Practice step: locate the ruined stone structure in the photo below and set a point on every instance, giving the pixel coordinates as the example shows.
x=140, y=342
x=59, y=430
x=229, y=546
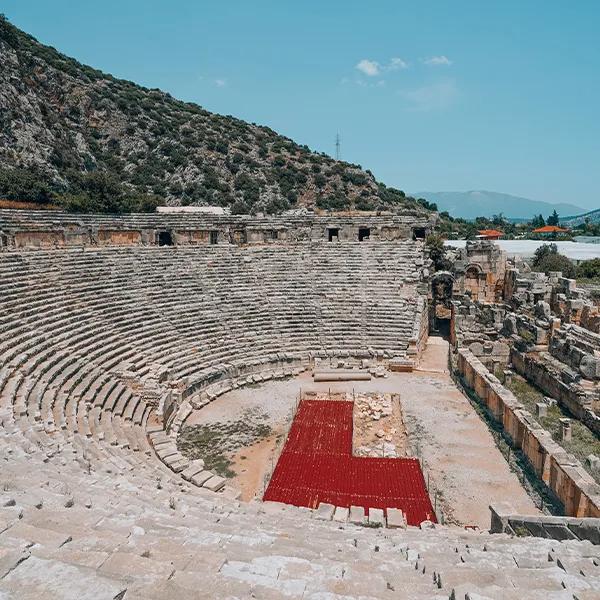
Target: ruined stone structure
x=480, y=269
x=532, y=325
x=107, y=340
x=54, y=229
x=563, y=474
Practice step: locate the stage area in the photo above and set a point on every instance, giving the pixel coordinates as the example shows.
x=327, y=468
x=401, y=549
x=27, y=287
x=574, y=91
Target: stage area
x=317, y=466
x=458, y=454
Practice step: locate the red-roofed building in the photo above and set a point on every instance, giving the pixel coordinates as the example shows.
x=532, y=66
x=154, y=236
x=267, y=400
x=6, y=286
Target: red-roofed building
x=550, y=229
x=489, y=234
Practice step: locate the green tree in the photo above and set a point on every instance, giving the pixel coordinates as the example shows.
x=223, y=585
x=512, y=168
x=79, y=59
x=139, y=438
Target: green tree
x=537, y=221
x=589, y=269
x=553, y=219
x=437, y=252
x=547, y=258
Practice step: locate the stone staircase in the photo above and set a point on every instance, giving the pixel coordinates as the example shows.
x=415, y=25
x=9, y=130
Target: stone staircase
x=118, y=533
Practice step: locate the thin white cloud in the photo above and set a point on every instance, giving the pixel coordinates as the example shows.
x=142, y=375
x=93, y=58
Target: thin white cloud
x=397, y=63
x=220, y=82
x=438, y=61
x=370, y=68
x=436, y=96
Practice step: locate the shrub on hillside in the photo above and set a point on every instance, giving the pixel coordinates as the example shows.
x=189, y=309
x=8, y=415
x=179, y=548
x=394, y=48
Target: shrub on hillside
x=25, y=184
x=589, y=269
x=435, y=244
x=547, y=258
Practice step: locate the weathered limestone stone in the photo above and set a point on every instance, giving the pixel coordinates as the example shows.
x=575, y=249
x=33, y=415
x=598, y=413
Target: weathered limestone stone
x=590, y=366
x=593, y=462
x=201, y=477
x=565, y=430
x=215, y=483
x=376, y=517
x=325, y=511
x=541, y=409
x=357, y=515
x=195, y=467
x=395, y=518
x=542, y=310
x=341, y=514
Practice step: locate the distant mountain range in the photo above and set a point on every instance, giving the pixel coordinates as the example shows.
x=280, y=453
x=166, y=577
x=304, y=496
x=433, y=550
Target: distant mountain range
x=479, y=203
x=593, y=216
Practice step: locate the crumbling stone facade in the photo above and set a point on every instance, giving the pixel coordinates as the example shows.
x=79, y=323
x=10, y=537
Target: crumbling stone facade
x=532, y=324
x=480, y=269
x=55, y=229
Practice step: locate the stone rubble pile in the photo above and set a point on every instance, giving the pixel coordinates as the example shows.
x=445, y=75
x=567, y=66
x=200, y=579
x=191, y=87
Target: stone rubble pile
x=373, y=411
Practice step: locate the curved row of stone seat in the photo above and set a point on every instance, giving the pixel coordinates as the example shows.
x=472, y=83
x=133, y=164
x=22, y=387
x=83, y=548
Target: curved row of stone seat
x=69, y=319
x=220, y=330
x=73, y=534
x=88, y=511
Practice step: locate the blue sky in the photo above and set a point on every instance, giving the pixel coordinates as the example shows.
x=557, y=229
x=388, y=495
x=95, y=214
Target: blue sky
x=430, y=95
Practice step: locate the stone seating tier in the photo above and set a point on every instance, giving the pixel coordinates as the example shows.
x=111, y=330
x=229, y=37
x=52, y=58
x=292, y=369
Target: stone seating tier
x=71, y=319
x=95, y=501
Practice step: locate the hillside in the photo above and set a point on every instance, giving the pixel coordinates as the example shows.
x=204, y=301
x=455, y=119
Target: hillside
x=592, y=216
x=469, y=205
x=72, y=135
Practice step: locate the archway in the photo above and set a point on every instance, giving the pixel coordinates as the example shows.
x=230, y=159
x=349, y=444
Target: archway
x=440, y=313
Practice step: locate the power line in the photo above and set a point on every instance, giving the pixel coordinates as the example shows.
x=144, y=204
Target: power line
x=338, y=154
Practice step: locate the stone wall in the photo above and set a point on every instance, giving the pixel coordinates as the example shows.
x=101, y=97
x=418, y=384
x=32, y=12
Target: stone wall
x=523, y=290
x=420, y=334
x=578, y=348
x=561, y=472
x=504, y=520
x=50, y=229
x=479, y=271
x=561, y=383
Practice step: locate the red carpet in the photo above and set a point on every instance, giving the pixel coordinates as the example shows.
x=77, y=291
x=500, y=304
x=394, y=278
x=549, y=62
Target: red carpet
x=317, y=465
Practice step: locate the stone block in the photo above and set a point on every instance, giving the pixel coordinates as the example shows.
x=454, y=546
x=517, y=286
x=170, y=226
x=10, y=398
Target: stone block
x=196, y=466
x=215, y=483
x=590, y=366
x=565, y=430
x=395, y=518
x=201, y=477
x=341, y=514
x=559, y=531
x=325, y=511
x=357, y=515
x=593, y=462
x=376, y=517
x=587, y=529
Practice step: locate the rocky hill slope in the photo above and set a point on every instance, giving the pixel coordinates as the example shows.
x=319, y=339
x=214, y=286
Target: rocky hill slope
x=72, y=135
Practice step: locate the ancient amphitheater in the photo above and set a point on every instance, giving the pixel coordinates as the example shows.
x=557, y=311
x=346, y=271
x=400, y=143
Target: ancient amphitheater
x=117, y=333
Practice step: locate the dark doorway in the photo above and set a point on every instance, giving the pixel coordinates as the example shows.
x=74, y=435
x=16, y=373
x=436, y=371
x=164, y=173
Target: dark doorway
x=419, y=233
x=213, y=237
x=364, y=233
x=165, y=238
x=440, y=308
x=333, y=232
x=238, y=236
